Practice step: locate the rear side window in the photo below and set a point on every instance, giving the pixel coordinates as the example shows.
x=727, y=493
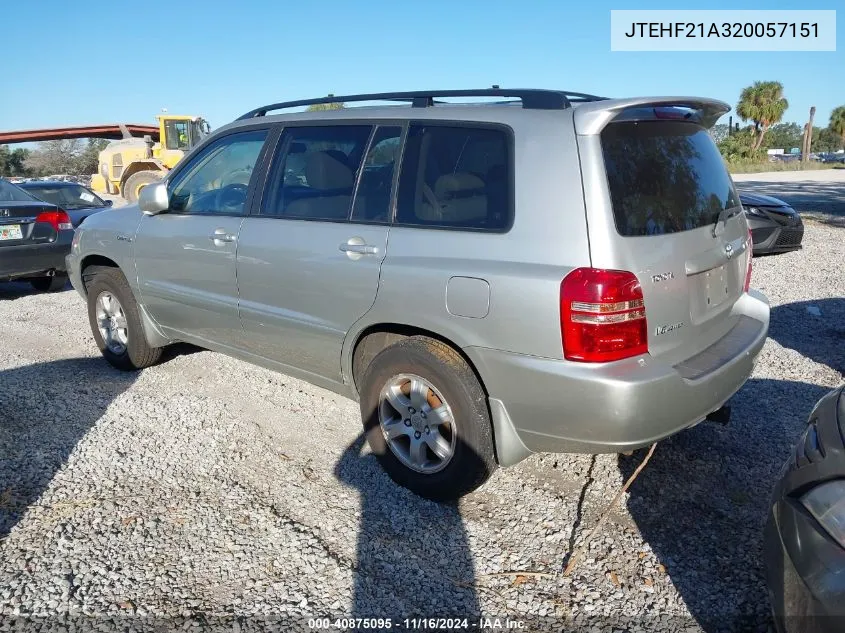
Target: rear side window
x=11, y=193
x=313, y=176
x=664, y=177
x=456, y=177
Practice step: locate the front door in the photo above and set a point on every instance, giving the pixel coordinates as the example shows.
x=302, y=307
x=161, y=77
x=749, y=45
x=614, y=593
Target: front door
x=185, y=256
x=309, y=260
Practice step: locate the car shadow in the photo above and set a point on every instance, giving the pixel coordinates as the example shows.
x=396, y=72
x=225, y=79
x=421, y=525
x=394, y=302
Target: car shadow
x=815, y=329
x=45, y=410
x=417, y=560
x=823, y=201
x=10, y=290
x=702, y=501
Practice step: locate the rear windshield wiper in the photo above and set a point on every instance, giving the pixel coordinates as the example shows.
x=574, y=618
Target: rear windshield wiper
x=724, y=215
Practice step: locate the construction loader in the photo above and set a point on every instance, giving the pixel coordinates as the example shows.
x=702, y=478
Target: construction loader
x=128, y=165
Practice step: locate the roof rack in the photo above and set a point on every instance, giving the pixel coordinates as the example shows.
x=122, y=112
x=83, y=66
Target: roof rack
x=532, y=99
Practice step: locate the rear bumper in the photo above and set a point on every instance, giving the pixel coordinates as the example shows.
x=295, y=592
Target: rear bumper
x=35, y=260
x=548, y=405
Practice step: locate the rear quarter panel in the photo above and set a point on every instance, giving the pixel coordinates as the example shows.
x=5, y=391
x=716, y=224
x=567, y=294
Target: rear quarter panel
x=523, y=267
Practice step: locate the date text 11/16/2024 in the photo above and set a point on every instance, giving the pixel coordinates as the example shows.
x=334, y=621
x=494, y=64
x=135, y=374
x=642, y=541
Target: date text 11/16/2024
x=416, y=624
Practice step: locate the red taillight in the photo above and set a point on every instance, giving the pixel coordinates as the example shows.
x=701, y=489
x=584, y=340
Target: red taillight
x=750, y=255
x=602, y=315
x=58, y=219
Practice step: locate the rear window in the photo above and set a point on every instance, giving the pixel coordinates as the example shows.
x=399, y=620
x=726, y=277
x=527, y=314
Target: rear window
x=665, y=177
x=12, y=193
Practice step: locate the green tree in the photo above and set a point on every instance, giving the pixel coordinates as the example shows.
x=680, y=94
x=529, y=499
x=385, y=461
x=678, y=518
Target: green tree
x=837, y=123
x=826, y=140
x=13, y=161
x=741, y=145
x=89, y=157
x=784, y=136
x=762, y=103
x=319, y=107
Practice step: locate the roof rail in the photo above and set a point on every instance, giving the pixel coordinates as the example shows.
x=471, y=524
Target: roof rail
x=532, y=99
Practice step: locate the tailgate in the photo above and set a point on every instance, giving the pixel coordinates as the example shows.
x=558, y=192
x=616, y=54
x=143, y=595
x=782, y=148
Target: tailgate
x=662, y=205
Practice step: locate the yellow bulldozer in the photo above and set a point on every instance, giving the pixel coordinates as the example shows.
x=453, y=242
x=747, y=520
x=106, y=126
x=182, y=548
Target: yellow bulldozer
x=128, y=165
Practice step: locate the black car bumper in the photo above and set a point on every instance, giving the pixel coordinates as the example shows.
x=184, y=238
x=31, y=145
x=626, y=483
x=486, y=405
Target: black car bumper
x=805, y=567
x=34, y=260
x=775, y=233
x=770, y=236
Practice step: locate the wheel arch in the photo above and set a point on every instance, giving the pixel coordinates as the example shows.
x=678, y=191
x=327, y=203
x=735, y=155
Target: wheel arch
x=154, y=335
x=362, y=346
x=368, y=341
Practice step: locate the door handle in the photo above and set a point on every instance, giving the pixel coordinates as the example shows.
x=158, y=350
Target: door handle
x=361, y=249
x=220, y=235
x=355, y=248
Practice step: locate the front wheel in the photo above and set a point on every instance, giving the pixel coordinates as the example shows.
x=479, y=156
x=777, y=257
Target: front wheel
x=426, y=419
x=116, y=322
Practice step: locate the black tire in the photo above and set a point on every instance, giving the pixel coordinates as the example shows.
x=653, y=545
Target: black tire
x=473, y=460
x=49, y=284
x=138, y=180
x=138, y=353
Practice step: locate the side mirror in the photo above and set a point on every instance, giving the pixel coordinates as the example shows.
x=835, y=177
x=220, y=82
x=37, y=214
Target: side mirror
x=154, y=199
x=108, y=203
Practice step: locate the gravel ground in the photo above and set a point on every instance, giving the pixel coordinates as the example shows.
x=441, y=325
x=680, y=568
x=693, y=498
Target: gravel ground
x=208, y=493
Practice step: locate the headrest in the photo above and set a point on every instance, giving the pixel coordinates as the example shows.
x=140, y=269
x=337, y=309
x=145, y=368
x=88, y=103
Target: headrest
x=324, y=171
x=452, y=183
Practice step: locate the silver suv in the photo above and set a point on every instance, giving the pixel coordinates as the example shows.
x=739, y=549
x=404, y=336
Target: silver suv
x=547, y=272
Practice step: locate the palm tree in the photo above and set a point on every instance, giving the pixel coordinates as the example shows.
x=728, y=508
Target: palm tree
x=764, y=104
x=837, y=122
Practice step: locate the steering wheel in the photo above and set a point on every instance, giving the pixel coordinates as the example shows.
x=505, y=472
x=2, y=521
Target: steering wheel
x=231, y=198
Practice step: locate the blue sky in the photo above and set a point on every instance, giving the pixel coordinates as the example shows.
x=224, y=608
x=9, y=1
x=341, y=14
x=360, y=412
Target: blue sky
x=63, y=65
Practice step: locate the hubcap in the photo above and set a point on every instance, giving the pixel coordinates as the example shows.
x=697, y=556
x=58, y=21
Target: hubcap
x=417, y=423
x=111, y=322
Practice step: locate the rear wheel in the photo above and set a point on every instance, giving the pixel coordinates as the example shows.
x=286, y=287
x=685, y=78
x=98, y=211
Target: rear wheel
x=49, y=284
x=116, y=322
x=137, y=181
x=426, y=419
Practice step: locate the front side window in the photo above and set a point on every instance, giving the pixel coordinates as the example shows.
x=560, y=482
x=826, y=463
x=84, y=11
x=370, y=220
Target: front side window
x=177, y=134
x=455, y=177
x=313, y=176
x=217, y=180
x=665, y=177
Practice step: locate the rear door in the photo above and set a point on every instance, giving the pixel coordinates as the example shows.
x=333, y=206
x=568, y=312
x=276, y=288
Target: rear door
x=671, y=215
x=308, y=262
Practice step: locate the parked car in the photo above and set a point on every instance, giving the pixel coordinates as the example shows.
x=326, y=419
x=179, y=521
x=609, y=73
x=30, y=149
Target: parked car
x=35, y=237
x=833, y=158
x=775, y=226
x=560, y=276
x=79, y=202
x=804, y=543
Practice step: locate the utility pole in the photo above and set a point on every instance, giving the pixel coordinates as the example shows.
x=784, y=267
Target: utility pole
x=808, y=137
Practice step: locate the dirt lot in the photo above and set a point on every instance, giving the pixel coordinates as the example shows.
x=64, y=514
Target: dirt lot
x=205, y=490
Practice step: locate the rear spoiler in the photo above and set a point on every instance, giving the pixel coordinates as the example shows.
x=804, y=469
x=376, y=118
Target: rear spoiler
x=591, y=117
